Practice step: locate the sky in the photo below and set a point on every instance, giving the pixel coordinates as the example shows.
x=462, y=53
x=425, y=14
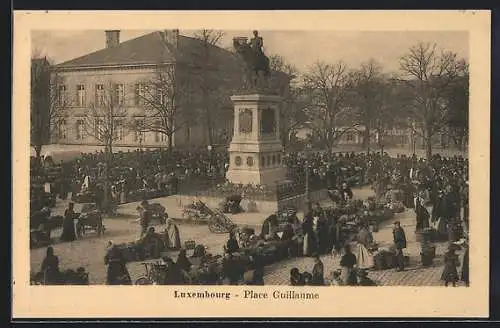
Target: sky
x=300, y=48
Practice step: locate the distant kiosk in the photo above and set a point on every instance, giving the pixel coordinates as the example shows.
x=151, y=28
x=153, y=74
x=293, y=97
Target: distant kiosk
x=255, y=152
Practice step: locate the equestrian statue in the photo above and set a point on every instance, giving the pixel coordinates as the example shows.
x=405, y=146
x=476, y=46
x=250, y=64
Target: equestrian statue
x=256, y=62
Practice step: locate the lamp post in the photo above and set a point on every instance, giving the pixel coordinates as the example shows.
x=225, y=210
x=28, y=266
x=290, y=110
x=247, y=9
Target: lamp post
x=413, y=140
x=210, y=159
x=307, y=172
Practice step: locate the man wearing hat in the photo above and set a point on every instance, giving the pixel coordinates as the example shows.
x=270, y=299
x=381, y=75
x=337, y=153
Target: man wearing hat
x=399, y=238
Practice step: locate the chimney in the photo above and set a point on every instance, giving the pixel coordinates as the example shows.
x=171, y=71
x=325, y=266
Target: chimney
x=172, y=37
x=112, y=38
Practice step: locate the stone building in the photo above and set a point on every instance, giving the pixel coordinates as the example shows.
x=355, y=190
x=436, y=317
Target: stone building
x=125, y=66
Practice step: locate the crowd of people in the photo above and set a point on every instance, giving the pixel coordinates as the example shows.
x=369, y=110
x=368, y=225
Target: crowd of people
x=437, y=190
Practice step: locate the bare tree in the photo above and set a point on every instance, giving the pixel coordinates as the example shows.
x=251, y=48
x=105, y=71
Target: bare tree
x=369, y=91
x=47, y=104
x=430, y=74
x=167, y=99
x=457, y=108
x=292, y=113
x=107, y=121
x=210, y=93
x=326, y=88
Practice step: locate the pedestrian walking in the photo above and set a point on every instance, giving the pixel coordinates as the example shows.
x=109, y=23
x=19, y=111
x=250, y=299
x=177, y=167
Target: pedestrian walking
x=399, y=238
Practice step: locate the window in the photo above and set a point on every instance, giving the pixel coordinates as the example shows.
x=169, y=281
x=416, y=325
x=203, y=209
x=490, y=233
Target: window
x=118, y=130
x=61, y=95
x=139, y=94
x=263, y=161
x=80, y=95
x=98, y=128
x=159, y=137
x=80, y=130
x=62, y=129
x=350, y=136
x=99, y=95
x=140, y=136
x=120, y=93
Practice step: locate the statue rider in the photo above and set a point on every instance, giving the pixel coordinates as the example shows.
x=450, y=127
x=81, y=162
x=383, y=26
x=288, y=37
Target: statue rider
x=256, y=43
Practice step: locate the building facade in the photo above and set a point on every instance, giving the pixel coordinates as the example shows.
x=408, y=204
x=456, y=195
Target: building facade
x=123, y=68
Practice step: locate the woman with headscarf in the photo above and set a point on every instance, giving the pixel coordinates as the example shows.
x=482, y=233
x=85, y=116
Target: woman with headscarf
x=422, y=214
x=364, y=239
x=172, y=234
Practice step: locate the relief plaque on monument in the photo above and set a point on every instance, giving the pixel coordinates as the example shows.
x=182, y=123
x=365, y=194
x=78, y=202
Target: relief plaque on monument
x=245, y=120
x=268, y=122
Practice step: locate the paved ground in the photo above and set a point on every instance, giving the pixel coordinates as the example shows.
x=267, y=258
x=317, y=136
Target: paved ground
x=90, y=250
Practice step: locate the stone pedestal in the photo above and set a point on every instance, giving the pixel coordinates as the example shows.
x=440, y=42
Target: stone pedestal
x=256, y=152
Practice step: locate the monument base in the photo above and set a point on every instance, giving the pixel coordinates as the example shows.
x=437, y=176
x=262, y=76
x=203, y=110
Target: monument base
x=257, y=177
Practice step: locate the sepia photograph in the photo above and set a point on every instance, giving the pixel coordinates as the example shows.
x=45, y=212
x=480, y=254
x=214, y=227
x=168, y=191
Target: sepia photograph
x=235, y=157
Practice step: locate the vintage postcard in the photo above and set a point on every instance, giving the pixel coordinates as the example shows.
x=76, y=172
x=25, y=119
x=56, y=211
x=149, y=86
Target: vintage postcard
x=251, y=164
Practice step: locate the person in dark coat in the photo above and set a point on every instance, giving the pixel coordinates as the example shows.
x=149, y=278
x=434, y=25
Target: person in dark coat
x=296, y=278
x=269, y=225
x=232, y=244
x=173, y=274
x=451, y=262
x=69, y=233
x=183, y=262
x=50, y=268
x=399, y=238
x=117, y=268
x=422, y=215
x=318, y=277
x=347, y=263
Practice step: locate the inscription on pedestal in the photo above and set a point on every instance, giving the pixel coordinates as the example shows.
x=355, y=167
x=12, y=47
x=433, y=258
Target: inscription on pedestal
x=245, y=120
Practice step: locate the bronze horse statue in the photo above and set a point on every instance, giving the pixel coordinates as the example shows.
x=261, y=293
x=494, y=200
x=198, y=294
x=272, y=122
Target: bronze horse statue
x=256, y=62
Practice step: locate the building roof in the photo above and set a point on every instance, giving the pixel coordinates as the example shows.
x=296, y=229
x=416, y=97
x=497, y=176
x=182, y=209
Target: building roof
x=147, y=49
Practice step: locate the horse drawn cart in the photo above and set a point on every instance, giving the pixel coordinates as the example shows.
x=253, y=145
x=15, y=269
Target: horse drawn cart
x=199, y=212
x=89, y=218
